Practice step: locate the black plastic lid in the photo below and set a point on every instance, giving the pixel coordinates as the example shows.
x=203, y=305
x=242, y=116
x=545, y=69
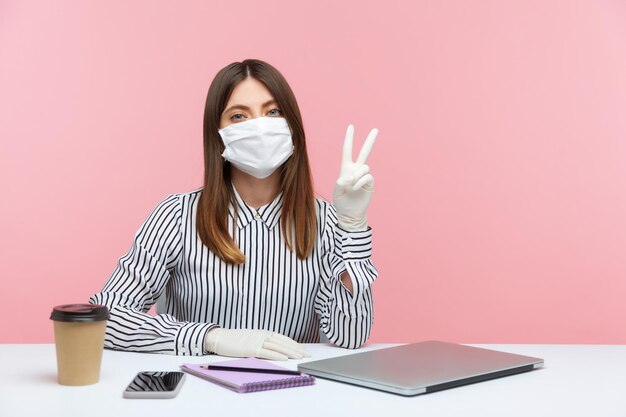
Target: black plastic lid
x=80, y=313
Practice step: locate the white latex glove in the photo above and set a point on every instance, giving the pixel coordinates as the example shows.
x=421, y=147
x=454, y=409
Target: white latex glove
x=355, y=186
x=246, y=343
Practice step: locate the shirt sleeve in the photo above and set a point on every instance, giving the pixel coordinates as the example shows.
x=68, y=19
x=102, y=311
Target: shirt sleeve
x=346, y=318
x=138, y=281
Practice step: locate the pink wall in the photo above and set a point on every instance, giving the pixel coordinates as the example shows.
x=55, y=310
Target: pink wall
x=500, y=210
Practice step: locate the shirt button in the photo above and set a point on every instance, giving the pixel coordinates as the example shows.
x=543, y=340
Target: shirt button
x=258, y=216
x=348, y=253
x=349, y=240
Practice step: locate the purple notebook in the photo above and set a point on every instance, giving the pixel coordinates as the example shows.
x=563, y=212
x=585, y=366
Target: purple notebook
x=248, y=381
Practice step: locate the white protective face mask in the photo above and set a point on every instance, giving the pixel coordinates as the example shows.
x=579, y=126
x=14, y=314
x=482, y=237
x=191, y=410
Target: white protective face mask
x=257, y=146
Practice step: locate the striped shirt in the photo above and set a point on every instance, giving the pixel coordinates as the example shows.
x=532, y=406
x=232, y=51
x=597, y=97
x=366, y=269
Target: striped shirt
x=273, y=290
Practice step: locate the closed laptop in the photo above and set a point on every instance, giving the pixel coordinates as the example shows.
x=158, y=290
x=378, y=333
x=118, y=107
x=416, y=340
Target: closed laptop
x=420, y=368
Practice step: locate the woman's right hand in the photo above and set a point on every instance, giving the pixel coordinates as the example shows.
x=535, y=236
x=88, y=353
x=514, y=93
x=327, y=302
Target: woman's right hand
x=245, y=343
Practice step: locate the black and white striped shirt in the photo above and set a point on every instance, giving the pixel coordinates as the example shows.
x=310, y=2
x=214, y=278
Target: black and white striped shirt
x=273, y=290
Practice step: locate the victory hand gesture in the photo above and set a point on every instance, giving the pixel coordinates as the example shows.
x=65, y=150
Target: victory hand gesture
x=355, y=186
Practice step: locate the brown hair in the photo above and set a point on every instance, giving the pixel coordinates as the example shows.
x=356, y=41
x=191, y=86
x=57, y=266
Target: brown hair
x=298, y=220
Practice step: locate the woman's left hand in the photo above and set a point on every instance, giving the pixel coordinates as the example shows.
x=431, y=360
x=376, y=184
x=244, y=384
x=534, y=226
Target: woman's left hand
x=355, y=186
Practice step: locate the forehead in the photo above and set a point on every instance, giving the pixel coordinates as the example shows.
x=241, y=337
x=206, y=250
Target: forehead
x=250, y=92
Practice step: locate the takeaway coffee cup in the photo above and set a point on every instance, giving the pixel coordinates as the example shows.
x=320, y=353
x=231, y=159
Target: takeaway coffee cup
x=79, y=337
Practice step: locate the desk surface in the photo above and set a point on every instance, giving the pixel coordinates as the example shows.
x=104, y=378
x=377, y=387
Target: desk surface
x=578, y=380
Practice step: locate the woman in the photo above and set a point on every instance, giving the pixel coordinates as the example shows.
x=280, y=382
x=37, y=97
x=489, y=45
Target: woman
x=251, y=264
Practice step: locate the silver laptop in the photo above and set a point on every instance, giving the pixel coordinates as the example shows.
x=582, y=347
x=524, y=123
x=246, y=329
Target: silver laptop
x=420, y=368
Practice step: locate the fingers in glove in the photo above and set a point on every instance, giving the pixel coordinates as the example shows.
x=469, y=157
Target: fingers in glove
x=343, y=183
x=271, y=355
x=357, y=173
x=347, y=145
x=284, y=340
x=283, y=348
x=366, y=182
x=367, y=147
x=348, y=180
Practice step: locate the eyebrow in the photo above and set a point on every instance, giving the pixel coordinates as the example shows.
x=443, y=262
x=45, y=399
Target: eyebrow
x=241, y=106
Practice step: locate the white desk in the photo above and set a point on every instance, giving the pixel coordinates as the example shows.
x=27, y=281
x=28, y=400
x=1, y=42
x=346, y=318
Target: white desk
x=578, y=380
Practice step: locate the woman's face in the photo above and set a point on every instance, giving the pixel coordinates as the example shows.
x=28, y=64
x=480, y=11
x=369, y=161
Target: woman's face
x=250, y=99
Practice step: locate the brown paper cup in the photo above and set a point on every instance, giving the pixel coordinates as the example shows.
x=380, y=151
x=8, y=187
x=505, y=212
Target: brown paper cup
x=79, y=337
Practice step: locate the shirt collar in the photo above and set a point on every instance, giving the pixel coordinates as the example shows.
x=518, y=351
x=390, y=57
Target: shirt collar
x=269, y=214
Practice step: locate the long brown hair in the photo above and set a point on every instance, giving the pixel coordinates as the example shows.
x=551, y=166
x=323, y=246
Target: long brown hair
x=298, y=220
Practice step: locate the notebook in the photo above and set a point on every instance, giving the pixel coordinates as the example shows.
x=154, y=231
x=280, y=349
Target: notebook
x=420, y=368
x=247, y=381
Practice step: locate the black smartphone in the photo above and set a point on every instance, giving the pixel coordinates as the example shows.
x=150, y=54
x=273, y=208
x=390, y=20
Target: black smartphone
x=155, y=385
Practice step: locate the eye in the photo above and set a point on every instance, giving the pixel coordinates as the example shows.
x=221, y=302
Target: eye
x=274, y=112
x=237, y=117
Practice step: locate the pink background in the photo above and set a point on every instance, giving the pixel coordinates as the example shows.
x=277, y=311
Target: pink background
x=500, y=210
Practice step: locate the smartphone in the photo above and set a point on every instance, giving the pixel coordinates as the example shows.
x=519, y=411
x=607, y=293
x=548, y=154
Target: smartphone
x=155, y=385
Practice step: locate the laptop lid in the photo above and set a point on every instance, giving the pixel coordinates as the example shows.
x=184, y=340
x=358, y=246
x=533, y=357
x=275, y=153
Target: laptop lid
x=420, y=368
